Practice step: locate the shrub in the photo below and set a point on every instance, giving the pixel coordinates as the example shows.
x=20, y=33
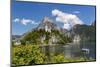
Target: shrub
x=27, y=55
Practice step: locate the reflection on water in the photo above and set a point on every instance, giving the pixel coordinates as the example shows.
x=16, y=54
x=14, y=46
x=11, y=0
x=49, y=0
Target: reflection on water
x=72, y=50
x=92, y=48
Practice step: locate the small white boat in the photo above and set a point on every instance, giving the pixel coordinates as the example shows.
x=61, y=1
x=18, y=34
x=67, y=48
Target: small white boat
x=86, y=50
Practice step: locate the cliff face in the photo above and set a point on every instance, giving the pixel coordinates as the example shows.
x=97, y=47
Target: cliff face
x=46, y=24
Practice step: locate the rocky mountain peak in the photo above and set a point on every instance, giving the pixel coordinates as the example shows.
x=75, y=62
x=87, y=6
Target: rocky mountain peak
x=47, y=24
x=46, y=19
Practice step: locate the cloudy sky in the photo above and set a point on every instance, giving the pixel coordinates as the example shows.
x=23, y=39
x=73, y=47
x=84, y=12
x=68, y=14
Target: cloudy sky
x=27, y=15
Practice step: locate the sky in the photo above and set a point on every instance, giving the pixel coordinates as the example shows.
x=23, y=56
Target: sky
x=28, y=15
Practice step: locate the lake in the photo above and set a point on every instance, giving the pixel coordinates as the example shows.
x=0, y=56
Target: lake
x=72, y=50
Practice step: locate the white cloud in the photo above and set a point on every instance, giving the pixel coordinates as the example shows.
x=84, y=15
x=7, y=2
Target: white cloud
x=67, y=26
x=76, y=12
x=33, y=22
x=66, y=18
x=16, y=20
x=25, y=21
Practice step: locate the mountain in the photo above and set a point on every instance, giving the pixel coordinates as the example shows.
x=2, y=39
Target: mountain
x=47, y=32
x=46, y=24
x=86, y=32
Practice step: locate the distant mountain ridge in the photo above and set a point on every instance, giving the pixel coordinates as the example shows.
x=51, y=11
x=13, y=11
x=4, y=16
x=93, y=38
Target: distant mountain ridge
x=14, y=37
x=86, y=32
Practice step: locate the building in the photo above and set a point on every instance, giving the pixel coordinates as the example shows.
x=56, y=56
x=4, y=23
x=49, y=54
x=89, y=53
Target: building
x=17, y=42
